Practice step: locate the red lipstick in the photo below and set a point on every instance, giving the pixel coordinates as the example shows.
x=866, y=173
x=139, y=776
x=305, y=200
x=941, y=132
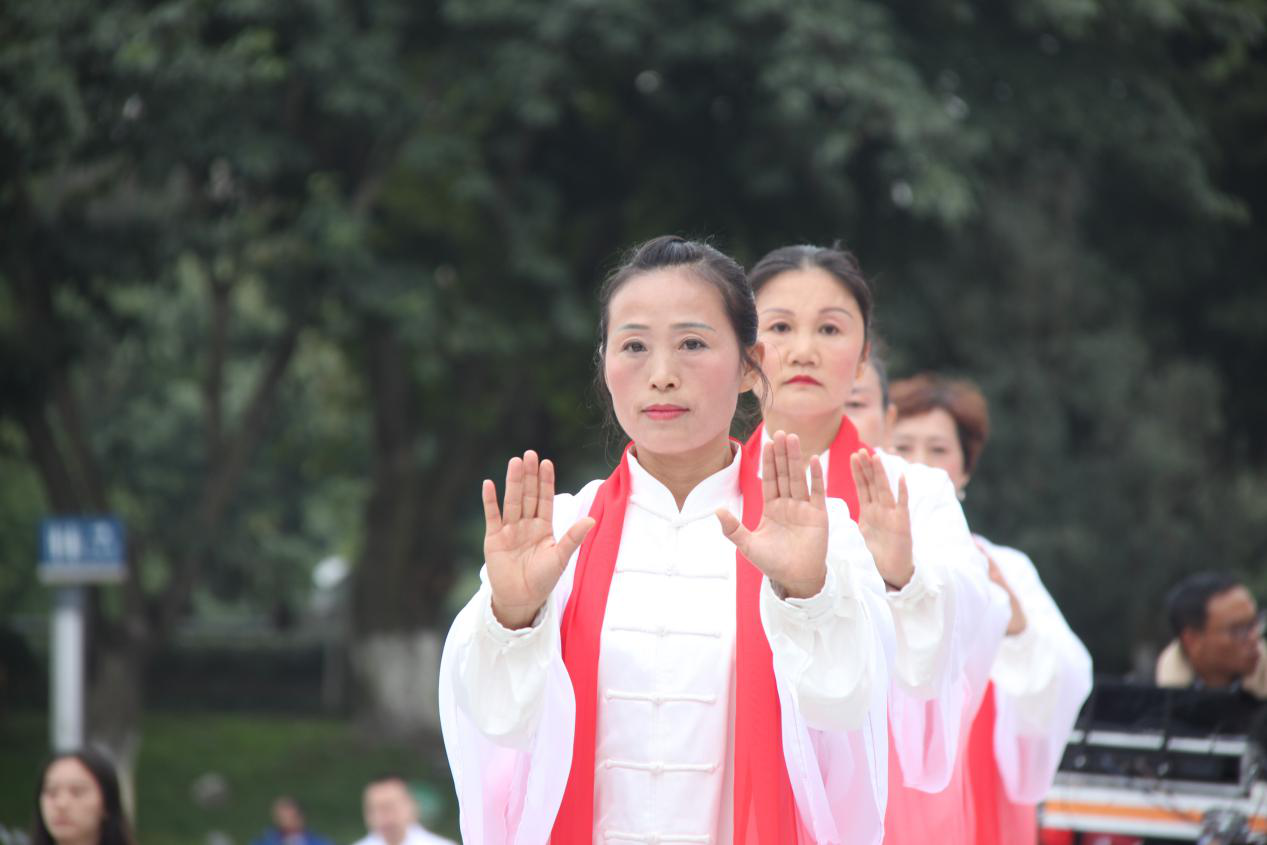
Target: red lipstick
x=664, y=412
x=804, y=379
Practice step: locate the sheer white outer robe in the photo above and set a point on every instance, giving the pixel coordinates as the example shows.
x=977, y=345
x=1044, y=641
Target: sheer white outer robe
x=1041, y=678
x=949, y=619
x=507, y=707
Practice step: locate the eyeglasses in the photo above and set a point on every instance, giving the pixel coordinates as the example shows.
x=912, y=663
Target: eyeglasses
x=1247, y=630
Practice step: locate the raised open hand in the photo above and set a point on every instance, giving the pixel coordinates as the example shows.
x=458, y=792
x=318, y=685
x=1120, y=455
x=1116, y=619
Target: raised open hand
x=1015, y=625
x=885, y=522
x=790, y=544
x=522, y=558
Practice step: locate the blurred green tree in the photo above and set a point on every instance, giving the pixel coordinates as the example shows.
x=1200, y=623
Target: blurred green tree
x=183, y=183
x=321, y=267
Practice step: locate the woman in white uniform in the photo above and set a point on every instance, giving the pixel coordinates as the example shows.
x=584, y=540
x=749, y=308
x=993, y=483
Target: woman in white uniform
x=687, y=652
x=1042, y=674
x=814, y=307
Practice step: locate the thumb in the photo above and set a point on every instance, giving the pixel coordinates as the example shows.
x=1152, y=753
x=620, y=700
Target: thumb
x=569, y=542
x=734, y=530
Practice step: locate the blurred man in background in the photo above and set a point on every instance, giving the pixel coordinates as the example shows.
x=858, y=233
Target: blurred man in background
x=391, y=814
x=1218, y=641
x=289, y=826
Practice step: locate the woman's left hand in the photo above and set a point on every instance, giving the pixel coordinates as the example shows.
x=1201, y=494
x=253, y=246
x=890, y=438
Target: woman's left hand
x=1017, y=624
x=790, y=544
x=885, y=521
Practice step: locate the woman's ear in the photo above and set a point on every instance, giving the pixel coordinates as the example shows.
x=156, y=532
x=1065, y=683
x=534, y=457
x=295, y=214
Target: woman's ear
x=752, y=367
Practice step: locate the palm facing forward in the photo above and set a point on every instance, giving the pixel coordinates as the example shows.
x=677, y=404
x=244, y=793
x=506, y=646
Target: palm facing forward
x=790, y=544
x=521, y=556
x=885, y=522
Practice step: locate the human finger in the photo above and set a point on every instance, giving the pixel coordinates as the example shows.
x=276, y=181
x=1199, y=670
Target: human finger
x=880, y=481
x=532, y=466
x=859, y=479
x=780, y=464
x=514, y=500
x=545, y=505
x=572, y=539
x=769, y=484
x=492, y=515
x=734, y=530
x=796, y=469
x=817, y=488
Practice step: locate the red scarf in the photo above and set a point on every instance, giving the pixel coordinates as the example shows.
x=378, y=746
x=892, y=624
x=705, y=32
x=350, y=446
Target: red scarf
x=839, y=474
x=996, y=819
x=765, y=809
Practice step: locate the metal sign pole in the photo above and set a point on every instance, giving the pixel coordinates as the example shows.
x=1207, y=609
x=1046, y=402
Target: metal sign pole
x=67, y=677
x=74, y=551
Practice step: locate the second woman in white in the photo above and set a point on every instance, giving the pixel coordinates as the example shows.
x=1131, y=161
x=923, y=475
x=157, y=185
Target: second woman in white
x=814, y=307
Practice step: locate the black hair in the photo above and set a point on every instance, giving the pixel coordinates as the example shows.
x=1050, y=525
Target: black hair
x=840, y=263
x=706, y=262
x=879, y=360
x=1186, y=603
x=114, y=825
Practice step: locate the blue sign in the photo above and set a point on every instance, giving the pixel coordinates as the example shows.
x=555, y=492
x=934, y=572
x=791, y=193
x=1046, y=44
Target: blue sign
x=81, y=550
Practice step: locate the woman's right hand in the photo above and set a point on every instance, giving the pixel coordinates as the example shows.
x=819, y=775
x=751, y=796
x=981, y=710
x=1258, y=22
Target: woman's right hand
x=520, y=553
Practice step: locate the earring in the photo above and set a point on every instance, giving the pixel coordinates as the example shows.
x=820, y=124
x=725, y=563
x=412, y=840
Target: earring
x=961, y=493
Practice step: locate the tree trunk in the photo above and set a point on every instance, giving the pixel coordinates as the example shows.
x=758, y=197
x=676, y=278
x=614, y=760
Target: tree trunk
x=397, y=674
x=396, y=591
x=114, y=711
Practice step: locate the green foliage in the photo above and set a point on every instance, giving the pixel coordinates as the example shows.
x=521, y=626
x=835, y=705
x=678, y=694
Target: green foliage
x=1061, y=198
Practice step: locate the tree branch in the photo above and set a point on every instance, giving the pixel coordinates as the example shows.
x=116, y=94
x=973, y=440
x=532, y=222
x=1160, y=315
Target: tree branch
x=213, y=386
x=89, y=474
x=49, y=460
x=225, y=478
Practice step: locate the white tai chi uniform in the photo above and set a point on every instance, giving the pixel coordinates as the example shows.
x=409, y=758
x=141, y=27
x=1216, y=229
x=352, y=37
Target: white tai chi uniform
x=666, y=676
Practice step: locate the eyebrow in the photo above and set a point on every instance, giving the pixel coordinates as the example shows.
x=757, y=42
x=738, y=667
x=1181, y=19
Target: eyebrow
x=844, y=311
x=642, y=327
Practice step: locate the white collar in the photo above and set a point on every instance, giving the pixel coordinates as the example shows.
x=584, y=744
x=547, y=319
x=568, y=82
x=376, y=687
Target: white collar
x=717, y=490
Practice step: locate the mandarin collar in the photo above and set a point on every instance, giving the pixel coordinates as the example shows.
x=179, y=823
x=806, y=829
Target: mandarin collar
x=717, y=490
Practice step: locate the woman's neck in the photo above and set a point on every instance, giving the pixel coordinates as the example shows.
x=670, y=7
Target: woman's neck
x=816, y=433
x=682, y=472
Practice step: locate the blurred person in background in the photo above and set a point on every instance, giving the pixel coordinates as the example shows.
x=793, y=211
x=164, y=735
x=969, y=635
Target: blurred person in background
x=868, y=406
x=77, y=802
x=1218, y=640
x=289, y=826
x=391, y=814
x=815, y=310
x=1042, y=673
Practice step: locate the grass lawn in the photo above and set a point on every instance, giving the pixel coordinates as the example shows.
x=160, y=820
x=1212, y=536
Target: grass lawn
x=323, y=762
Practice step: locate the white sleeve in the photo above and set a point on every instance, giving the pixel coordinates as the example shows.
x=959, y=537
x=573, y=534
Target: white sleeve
x=508, y=712
x=829, y=649
x=1041, y=678
x=950, y=621
x=927, y=734
x=501, y=673
x=832, y=656
x=939, y=613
